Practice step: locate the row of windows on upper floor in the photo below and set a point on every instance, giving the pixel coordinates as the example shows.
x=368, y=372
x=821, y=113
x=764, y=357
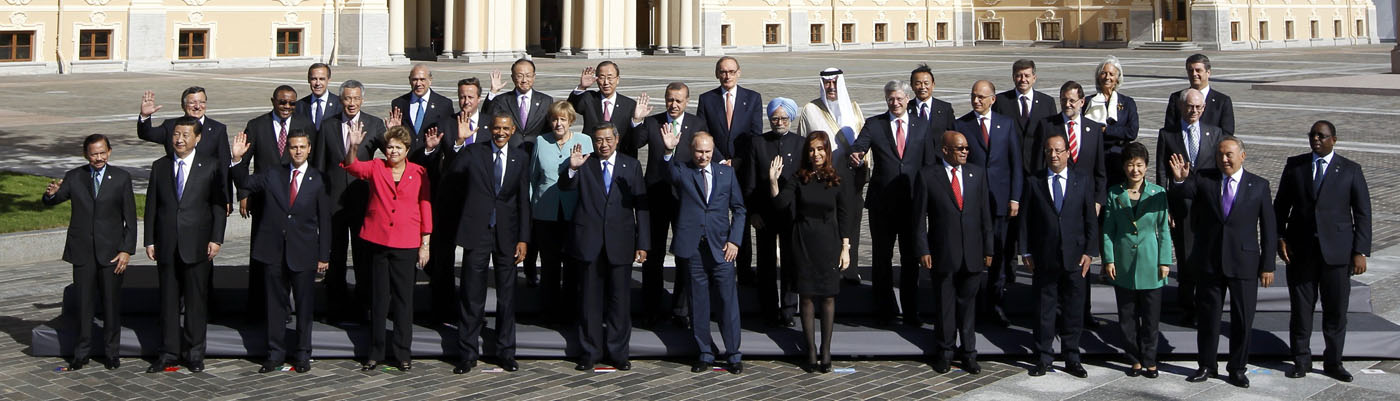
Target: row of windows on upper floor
x=96, y=44
x=992, y=30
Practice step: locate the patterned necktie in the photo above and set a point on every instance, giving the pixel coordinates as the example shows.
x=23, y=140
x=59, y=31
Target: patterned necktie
x=1058, y=192
x=180, y=180
x=607, y=177
x=499, y=174
x=899, y=137
x=1073, y=143
x=1228, y=199
x=282, y=137
x=923, y=111
x=607, y=110
x=97, y=182
x=1317, y=175
x=1025, y=109
x=295, y=185
x=957, y=189
x=1192, y=147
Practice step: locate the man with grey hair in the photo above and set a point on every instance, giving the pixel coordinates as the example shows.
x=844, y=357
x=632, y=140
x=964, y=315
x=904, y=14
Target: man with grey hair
x=773, y=225
x=349, y=197
x=1196, y=142
x=420, y=108
x=900, y=146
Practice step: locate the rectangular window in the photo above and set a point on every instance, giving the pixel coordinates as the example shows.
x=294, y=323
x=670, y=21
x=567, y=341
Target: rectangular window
x=1263, y=30
x=1288, y=30
x=991, y=30
x=724, y=35
x=942, y=31
x=1050, y=31
x=911, y=31
x=16, y=45
x=289, y=42
x=1113, y=31
x=881, y=32
x=770, y=33
x=1361, y=30
x=1314, y=30
x=817, y=31
x=193, y=44
x=94, y=44
x=848, y=33
x=1234, y=31
x=1337, y=29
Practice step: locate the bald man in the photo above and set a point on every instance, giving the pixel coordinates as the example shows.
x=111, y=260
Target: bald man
x=421, y=108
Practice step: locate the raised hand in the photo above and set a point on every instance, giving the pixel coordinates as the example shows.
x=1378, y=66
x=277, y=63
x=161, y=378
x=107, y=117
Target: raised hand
x=775, y=169
x=497, y=84
x=240, y=146
x=1180, y=169
x=464, y=131
x=577, y=157
x=643, y=108
x=432, y=138
x=53, y=187
x=586, y=79
x=148, y=104
x=671, y=139
x=395, y=118
x=357, y=134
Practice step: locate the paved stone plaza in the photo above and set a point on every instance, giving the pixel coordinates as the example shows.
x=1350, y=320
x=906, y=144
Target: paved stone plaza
x=44, y=118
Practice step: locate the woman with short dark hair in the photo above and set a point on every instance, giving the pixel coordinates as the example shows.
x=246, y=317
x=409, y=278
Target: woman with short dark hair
x=1137, y=256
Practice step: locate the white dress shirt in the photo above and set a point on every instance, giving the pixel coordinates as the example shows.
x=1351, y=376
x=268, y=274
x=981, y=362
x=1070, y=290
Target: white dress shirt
x=948, y=168
x=189, y=162
x=1327, y=162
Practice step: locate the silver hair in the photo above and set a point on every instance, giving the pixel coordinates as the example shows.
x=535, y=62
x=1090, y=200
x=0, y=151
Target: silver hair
x=351, y=84
x=1235, y=139
x=1116, y=65
x=897, y=85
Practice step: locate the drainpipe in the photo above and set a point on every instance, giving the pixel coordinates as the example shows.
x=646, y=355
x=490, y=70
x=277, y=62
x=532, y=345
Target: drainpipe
x=57, y=43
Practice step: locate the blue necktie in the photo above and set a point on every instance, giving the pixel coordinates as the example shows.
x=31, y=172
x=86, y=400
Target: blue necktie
x=1059, y=192
x=317, y=117
x=607, y=178
x=418, y=119
x=180, y=181
x=500, y=173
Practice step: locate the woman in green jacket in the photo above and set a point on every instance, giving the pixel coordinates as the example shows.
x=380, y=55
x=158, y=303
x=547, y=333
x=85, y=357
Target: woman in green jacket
x=1137, y=254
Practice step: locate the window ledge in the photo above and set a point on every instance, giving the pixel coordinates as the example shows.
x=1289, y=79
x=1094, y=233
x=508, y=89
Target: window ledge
x=22, y=64
x=292, y=58
x=96, y=62
x=194, y=61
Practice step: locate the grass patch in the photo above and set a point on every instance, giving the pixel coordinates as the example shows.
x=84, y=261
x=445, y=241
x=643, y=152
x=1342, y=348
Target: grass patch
x=21, y=207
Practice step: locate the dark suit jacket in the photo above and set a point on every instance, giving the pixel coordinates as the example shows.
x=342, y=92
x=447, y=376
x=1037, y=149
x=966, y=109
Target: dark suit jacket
x=303, y=237
x=333, y=108
x=98, y=228
x=1170, y=142
x=1002, y=159
x=191, y=222
x=1226, y=244
x=1219, y=112
x=1042, y=107
x=1056, y=239
x=1092, y=162
x=472, y=172
x=747, y=120
x=721, y=220
x=483, y=127
x=590, y=105
x=892, y=180
x=328, y=153
x=755, y=177
x=262, y=136
x=439, y=113
x=658, y=170
x=1337, y=215
x=213, y=141
x=614, y=223
x=534, y=125
x=1124, y=125
x=940, y=116
x=955, y=238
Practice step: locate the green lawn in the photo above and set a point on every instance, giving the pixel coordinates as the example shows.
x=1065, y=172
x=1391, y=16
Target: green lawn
x=22, y=210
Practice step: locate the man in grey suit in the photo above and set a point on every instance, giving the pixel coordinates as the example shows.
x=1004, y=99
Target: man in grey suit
x=1196, y=143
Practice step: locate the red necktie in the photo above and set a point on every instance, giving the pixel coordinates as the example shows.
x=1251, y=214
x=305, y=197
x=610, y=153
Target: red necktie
x=295, y=184
x=986, y=139
x=1073, y=143
x=282, y=138
x=899, y=137
x=957, y=189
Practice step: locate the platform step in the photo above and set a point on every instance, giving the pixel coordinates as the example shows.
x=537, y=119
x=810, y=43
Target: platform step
x=1172, y=46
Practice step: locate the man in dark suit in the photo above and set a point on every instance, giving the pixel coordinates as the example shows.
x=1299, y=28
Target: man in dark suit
x=186, y=204
x=1029, y=107
x=1321, y=190
x=420, y=108
x=1219, y=109
x=995, y=142
x=777, y=299
x=194, y=102
x=952, y=208
x=494, y=229
x=667, y=137
x=349, y=198
x=901, y=145
x=320, y=105
x=526, y=107
x=1196, y=142
x=708, y=225
x=609, y=234
x=1231, y=211
x=734, y=115
x=1061, y=213
x=1084, y=141
x=466, y=128
x=292, y=250
x=607, y=106
x=938, y=113
x=101, y=238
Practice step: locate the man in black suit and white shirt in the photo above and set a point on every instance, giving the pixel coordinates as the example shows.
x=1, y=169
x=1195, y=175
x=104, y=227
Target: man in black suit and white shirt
x=466, y=128
x=526, y=106
x=349, y=198
x=186, y=207
x=606, y=105
x=1028, y=107
x=1324, y=215
x=101, y=238
x=1219, y=109
x=320, y=104
x=681, y=126
x=938, y=113
x=1235, y=230
x=420, y=108
x=1196, y=142
x=194, y=102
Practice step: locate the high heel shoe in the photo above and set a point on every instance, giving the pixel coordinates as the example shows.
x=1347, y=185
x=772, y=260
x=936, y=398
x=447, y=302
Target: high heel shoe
x=809, y=367
x=825, y=367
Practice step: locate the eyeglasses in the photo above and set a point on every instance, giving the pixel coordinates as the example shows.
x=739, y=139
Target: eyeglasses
x=960, y=148
x=524, y=75
x=1319, y=135
x=779, y=119
x=284, y=102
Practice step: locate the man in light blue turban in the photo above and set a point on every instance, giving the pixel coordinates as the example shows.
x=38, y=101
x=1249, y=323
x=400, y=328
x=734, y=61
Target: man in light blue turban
x=777, y=298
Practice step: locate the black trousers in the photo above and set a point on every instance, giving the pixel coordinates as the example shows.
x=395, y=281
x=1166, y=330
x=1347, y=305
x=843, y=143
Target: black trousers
x=1058, y=292
x=92, y=279
x=888, y=227
x=743, y=262
x=956, y=296
x=855, y=197
x=605, y=318
x=1002, y=272
x=281, y=282
x=392, y=295
x=346, y=244
x=775, y=283
x=473, y=300
x=442, y=273
x=1210, y=298
x=256, y=293
x=1307, y=277
x=663, y=216
x=559, y=286
x=1139, y=312
x=1186, y=274
x=183, y=284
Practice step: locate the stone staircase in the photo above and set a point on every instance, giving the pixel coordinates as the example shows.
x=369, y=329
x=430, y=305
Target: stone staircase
x=1170, y=46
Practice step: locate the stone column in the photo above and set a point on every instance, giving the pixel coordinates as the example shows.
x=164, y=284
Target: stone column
x=663, y=27
x=424, y=25
x=146, y=41
x=449, y=28
x=396, y=30
x=566, y=28
x=629, y=28
x=363, y=36
x=328, y=28
x=519, y=35
x=591, y=31
x=532, y=35
x=687, y=23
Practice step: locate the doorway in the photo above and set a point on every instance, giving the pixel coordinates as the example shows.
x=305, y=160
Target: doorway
x=1176, y=21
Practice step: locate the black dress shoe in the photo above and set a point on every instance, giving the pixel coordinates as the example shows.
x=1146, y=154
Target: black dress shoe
x=509, y=365
x=999, y=320
x=888, y=321
x=463, y=367
x=786, y=322
x=583, y=366
x=1037, y=370
x=680, y=322
x=1200, y=375
x=112, y=363
x=1076, y=370
x=699, y=366
x=78, y=364
x=940, y=365
x=269, y=367
x=736, y=368
x=809, y=367
x=302, y=366
x=622, y=365
x=1133, y=372
x=1298, y=371
x=159, y=366
x=970, y=365
x=1091, y=323
x=196, y=367
x=369, y=365
x=1238, y=379
x=1149, y=373
x=1338, y=373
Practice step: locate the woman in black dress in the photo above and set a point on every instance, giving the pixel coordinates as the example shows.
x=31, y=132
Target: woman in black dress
x=820, y=237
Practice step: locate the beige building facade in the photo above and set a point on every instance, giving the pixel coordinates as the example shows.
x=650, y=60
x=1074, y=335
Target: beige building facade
x=48, y=36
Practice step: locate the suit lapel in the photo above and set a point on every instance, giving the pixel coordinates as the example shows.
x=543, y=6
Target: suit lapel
x=700, y=186
x=281, y=193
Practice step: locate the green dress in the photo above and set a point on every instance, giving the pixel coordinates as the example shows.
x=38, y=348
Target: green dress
x=1137, y=237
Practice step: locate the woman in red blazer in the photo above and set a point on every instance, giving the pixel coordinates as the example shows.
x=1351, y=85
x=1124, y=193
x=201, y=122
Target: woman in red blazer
x=398, y=221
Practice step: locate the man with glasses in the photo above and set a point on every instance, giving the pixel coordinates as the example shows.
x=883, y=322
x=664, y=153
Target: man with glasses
x=194, y=102
x=525, y=106
x=778, y=303
x=607, y=106
x=1196, y=141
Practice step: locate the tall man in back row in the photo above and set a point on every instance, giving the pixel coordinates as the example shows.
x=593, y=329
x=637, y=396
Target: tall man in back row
x=995, y=145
